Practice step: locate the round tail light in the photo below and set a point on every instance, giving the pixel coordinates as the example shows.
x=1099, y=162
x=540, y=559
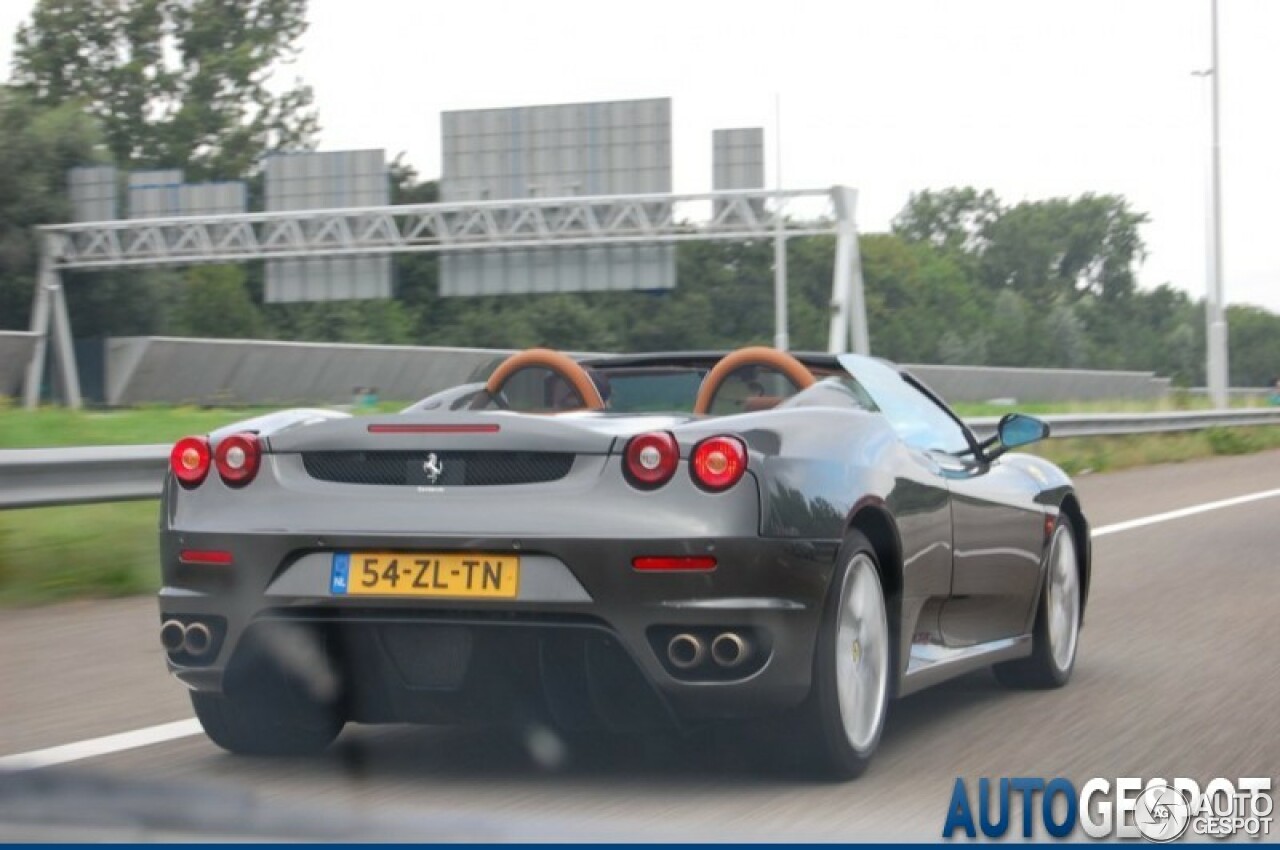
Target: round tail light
x=718, y=463
x=651, y=459
x=238, y=458
x=189, y=459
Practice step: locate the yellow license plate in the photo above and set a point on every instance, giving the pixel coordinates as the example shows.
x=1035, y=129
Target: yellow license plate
x=459, y=576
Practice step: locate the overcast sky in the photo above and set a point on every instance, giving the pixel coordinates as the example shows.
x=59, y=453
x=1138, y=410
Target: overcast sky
x=1032, y=99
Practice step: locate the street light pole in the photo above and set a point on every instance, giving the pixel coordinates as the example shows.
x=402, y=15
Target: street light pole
x=1216, y=366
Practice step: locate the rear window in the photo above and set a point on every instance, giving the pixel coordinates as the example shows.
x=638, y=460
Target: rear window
x=656, y=390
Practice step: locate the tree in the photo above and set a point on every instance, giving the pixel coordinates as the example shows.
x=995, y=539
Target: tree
x=1068, y=343
x=378, y=321
x=1254, y=338
x=214, y=302
x=1012, y=332
x=173, y=82
x=1160, y=330
x=37, y=146
x=954, y=220
x=955, y=349
x=1065, y=247
x=1186, y=361
x=916, y=294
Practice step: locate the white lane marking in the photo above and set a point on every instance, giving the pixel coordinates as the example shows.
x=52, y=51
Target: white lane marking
x=186, y=728
x=102, y=746
x=1184, y=512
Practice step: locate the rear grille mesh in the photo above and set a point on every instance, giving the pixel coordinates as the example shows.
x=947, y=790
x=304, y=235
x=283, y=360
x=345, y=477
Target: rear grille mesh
x=425, y=468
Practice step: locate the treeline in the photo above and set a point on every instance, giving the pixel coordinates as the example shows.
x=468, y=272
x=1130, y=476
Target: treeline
x=961, y=277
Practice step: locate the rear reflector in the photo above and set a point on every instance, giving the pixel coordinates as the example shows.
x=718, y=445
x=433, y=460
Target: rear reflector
x=204, y=556
x=433, y=429
x=661, y=563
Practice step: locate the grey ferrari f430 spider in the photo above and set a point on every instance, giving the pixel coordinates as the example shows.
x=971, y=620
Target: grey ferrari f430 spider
x=624, y=542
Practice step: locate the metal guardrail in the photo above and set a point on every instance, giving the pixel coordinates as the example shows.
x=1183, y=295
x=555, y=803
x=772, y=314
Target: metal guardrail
x=87, y=474
x=81, y=475
x=1121, y=424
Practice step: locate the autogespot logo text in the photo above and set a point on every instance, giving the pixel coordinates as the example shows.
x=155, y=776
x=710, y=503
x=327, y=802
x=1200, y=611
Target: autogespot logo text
x=1127, y=807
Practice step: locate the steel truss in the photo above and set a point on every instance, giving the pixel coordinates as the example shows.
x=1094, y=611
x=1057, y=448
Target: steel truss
x=446, y=228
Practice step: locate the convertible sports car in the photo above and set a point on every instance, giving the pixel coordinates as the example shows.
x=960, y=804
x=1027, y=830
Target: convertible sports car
x=626, y=542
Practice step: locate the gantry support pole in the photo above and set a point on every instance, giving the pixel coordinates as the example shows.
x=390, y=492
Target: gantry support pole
x=848, y=300
x=49, y=318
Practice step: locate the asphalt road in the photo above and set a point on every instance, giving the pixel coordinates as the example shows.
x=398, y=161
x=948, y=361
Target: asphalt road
x=1177, y=676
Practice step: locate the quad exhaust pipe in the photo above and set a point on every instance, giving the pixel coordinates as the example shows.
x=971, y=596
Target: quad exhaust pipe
x=193, y=638
x=686, y=651
x=172, y=635
x=199, y=640
x=728, y=650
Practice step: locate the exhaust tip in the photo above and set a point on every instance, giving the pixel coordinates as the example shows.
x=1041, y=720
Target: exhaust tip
x=730, y=649
x=198, y=639
x=686, y=651
x=172, y=635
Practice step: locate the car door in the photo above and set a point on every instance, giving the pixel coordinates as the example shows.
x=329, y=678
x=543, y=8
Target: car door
x=998, y=534
x=997, y=529
x=997, y=540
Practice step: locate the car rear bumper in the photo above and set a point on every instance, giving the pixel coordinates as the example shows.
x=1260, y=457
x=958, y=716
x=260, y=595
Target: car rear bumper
x=581, y=609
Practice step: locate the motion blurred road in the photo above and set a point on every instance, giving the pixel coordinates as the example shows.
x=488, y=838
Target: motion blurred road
x=1177, y=676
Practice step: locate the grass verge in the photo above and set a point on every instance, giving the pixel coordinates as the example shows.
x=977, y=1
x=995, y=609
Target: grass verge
x=50, y=554
x=1081, y=455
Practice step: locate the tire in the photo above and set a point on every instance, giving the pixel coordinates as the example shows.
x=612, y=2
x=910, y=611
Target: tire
x=1056, y=636
x=280, y=720
x=845, y=714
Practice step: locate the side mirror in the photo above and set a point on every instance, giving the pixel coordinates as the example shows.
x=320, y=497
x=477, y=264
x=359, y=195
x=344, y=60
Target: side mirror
x=1016, y=430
